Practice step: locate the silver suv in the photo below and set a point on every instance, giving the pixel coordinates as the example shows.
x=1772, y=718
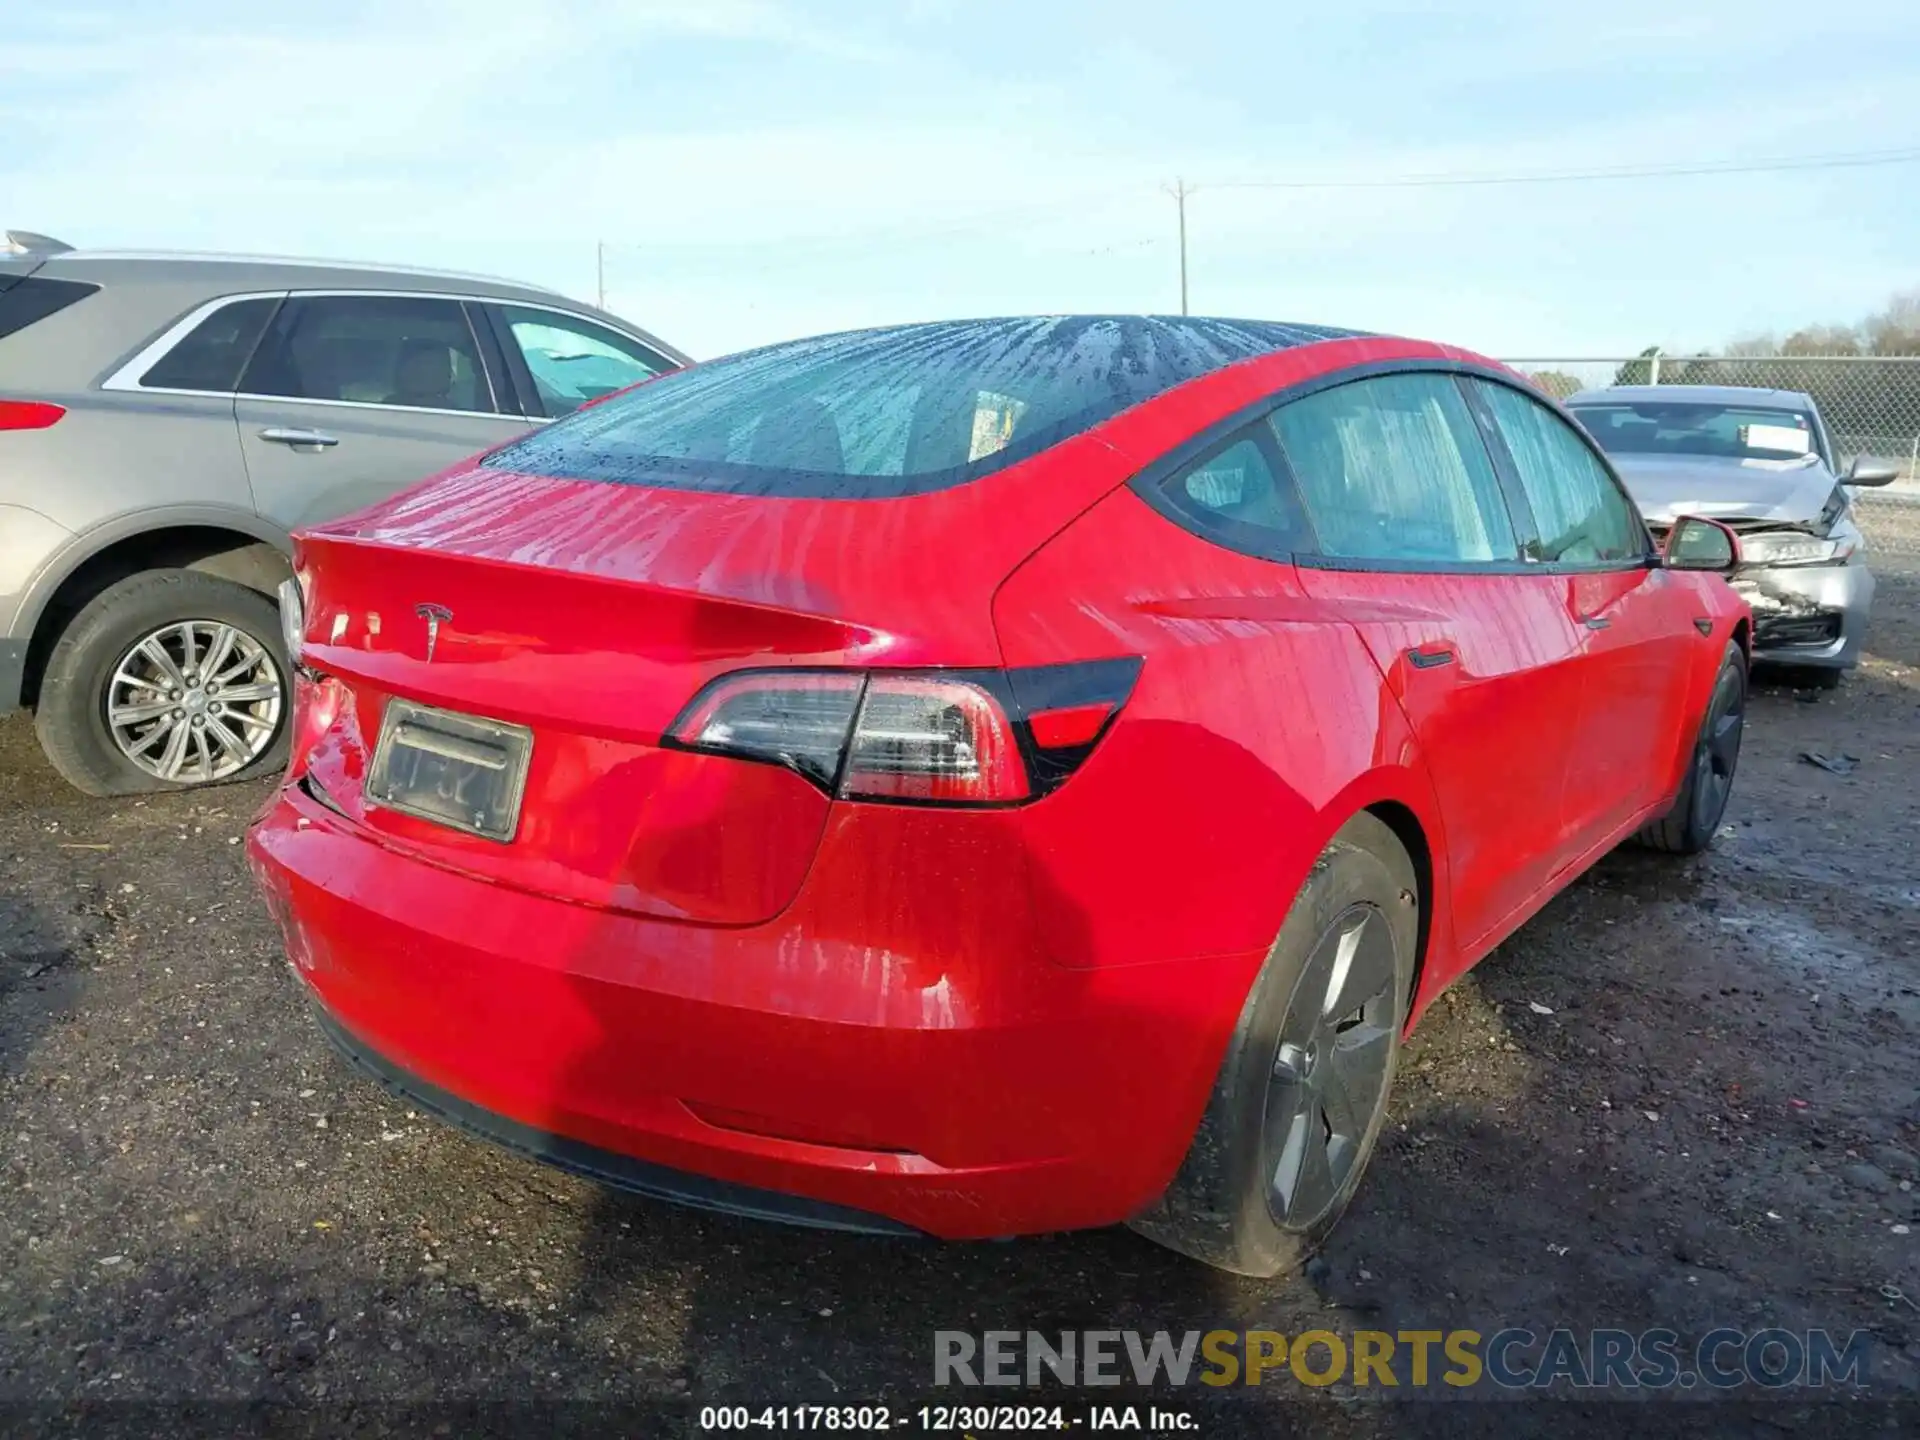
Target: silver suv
x=166, y=422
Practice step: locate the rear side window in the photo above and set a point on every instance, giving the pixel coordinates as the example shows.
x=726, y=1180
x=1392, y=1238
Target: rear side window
x=573, y=361
x=211, y=354
x=883, y=413
x=1237, y=496
x=1392, y=469
x=1581, y=515
x=29, y=301
x=374, y=350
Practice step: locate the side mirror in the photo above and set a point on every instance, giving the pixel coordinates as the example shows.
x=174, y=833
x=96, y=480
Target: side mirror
x=1696, y=543
x=1866, y=470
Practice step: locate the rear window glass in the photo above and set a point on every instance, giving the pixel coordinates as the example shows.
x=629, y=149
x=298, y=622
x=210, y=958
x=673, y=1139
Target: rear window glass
x=1727, y=432
x=28, y=301
x=882, y=413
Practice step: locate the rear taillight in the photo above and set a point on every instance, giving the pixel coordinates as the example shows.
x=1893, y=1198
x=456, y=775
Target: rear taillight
x=1066, y=709
x=29, y=414
x=929, y=737
x=943, y=737
x=797, y=718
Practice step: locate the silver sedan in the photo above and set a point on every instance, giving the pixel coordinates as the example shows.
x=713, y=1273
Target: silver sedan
x=1762, y=462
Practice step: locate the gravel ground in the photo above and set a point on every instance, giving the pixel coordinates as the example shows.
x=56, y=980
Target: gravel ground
x=202, y=1210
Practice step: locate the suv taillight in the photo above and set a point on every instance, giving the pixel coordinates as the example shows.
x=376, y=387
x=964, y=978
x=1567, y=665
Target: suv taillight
x=29, y=414
x=942, y=737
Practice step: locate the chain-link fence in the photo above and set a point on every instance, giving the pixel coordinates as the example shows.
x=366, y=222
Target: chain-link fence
x=1892, y=527
x=1871, y=405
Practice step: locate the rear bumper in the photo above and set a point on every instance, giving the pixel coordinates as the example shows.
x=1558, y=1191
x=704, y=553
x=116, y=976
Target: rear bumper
x=622, y=1172
x=1814, y=615
x=13, y=673
x=968, y=1090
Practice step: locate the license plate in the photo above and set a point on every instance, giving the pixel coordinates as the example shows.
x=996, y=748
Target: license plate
x=456, y=770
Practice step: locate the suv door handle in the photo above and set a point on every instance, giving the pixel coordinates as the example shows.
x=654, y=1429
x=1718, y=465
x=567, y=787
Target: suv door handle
x=299, y=439
x=1429, y=657
x=1595, y=622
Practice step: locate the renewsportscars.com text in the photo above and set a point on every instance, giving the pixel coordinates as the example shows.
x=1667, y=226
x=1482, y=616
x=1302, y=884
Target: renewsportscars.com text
x=1512, y=1358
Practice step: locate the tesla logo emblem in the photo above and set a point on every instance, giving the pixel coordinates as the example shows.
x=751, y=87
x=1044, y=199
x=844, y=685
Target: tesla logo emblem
x=433, y=615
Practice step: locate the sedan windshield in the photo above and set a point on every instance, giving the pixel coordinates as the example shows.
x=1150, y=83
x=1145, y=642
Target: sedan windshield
x=881, y=413
x=1735, y=432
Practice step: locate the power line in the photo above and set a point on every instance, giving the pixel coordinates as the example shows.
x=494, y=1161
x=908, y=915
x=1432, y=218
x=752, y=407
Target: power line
x=805, y=247
x=1613, y=172
x=1181, y=191
x=961, y=225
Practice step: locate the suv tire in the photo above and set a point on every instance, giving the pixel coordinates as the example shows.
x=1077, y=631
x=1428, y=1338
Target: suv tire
x=99, y=650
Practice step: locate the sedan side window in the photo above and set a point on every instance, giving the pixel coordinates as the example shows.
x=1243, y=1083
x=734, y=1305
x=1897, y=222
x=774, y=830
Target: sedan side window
x=372, y=350
x=574, y=360
x=1392, y=469
x=1233, y=496
x=1579, y=512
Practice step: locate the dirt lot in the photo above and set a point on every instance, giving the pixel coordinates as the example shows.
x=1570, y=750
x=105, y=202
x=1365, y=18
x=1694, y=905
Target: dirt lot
x=1718, y=1124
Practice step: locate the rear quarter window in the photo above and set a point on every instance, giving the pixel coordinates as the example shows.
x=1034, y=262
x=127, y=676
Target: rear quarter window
x=1236, y=494
x=211, y=355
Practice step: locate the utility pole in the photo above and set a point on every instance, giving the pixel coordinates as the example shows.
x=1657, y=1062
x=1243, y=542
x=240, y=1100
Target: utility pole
x=600, y=270
x=1180, y=190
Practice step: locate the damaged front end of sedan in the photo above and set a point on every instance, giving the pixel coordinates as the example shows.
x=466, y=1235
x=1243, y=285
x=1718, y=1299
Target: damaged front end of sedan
x=1762, y=463
x=1807, y=583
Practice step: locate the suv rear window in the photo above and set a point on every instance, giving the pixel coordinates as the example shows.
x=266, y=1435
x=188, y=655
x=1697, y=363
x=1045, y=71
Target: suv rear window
x=29, y=301
x=883, y=413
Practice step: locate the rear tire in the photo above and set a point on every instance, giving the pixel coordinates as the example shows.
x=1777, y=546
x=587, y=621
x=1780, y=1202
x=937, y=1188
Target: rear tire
x=1689, y=827
x=95, y=654
x=1302, y=1093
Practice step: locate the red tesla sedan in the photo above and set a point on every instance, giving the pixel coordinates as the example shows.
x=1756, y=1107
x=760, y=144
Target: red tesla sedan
x=985, y=777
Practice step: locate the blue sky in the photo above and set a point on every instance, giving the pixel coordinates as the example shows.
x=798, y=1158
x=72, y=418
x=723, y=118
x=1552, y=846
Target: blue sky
x=763, y=169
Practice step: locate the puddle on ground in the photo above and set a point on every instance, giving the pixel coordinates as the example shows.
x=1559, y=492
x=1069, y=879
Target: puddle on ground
x=1773, y=850
x=1822, y=960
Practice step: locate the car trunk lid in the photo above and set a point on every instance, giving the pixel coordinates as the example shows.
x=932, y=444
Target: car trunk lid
x=588, y=616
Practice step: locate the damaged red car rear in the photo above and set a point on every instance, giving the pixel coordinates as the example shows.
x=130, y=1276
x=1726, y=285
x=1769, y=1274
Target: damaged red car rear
x=981, y=778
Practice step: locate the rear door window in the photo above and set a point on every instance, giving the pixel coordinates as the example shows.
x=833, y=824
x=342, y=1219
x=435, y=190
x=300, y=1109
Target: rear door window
x=210, y=356
x=573, y=360
x=415, y=353
x=1392, y=469
x=1580, y=514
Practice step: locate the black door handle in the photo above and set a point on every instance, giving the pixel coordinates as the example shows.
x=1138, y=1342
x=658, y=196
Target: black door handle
x=1427, y=659
x=1595, y=622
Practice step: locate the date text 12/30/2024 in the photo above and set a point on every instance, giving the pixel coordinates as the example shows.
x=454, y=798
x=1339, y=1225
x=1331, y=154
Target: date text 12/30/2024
x=958, y=1419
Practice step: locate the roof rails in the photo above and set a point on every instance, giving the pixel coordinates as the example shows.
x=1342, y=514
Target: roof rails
x=25, y=242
